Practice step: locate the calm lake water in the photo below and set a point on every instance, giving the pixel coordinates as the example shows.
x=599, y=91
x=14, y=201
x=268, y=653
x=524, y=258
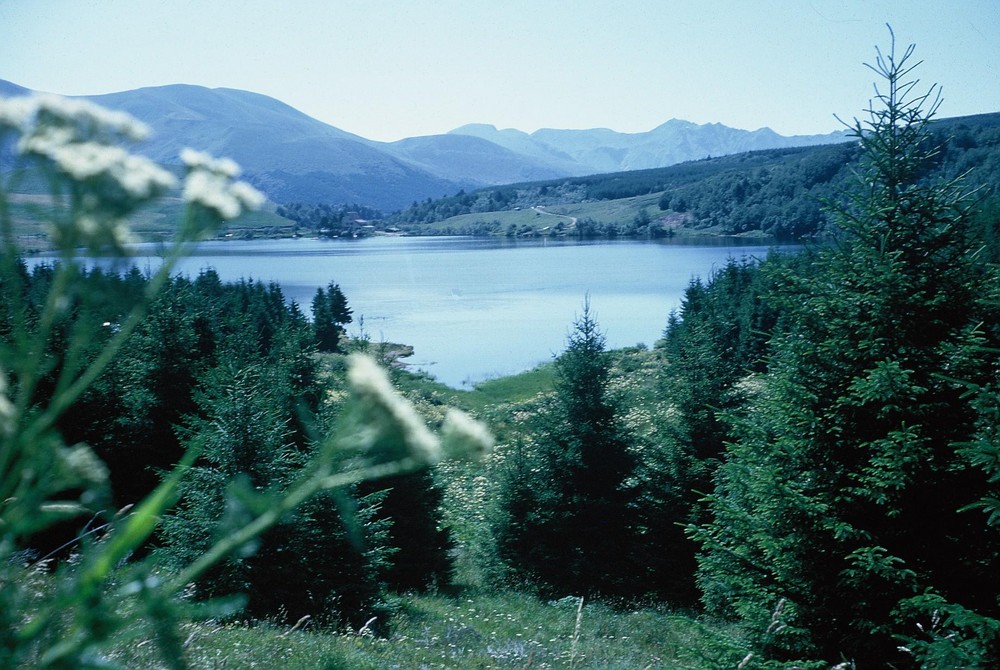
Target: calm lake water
x=477, y=308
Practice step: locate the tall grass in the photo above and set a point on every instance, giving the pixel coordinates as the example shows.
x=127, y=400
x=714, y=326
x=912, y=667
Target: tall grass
x=502, y=630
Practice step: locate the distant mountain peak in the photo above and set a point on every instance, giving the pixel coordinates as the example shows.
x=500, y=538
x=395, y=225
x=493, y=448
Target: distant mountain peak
x=294, y=157
x=472, y=128
x=9, y=89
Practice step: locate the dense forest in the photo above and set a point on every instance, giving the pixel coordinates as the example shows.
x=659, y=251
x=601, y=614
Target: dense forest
x=232, y=367
x=807, y=461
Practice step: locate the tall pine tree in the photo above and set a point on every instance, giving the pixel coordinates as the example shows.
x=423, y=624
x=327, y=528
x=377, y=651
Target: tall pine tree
x=570, y=521
x=838, y=502
x=330, y=315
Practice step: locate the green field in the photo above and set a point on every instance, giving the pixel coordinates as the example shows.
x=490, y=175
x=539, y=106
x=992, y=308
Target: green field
x=553, y=219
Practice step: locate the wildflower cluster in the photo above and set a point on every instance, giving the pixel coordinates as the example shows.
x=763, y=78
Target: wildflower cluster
x=80, y=147
x=464, y=437
x=386, y=427
x=211, y=183
x=79, y=118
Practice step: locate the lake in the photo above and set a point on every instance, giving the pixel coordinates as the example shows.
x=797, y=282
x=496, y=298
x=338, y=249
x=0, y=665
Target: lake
x=478, y=308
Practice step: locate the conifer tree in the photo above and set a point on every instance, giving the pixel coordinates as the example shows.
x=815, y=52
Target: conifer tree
x=419, y=545
x=570, y=520
x=312, y=562
x=836, y=513
x=712, y=344
x=147, y=392
x=330, y=315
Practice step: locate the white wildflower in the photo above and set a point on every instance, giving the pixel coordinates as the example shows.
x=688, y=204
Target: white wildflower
x=210, y=183
x=87, y=118
x=142, y=178
x=82, y=465
x=87, y=225
x=199, y=160
x=138, y=177
x=6, y=408
x=81, y=142
x=45, y=141
x=247, y=194
x=388, y=427
x=216, y=192
x=15, y=113
x=464, y=437
x=111, y=184
x=79, y=120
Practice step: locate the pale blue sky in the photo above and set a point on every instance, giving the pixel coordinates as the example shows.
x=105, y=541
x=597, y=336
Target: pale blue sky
x=387, y=69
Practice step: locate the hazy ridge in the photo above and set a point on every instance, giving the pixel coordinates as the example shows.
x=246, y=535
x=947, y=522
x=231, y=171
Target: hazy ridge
x=294, y=157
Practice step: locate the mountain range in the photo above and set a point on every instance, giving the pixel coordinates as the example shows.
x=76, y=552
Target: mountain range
x=293, y=157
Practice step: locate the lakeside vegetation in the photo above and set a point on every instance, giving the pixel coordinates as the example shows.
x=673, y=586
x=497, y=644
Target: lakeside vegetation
x=802, y=473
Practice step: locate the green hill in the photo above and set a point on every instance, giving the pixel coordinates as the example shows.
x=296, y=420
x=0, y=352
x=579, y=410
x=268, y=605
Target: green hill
x=776, y=192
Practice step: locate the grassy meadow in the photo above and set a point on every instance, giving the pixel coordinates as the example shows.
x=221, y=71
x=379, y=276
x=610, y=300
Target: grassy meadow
x=544, y=220
x=464, y=632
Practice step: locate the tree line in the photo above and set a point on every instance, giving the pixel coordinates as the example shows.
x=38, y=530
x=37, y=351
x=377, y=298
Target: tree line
x=328, y=220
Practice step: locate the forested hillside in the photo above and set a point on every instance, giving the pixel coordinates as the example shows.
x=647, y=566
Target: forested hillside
x=777, y=192
x=232, y=368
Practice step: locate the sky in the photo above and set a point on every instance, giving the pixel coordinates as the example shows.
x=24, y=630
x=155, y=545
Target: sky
x=388, y=69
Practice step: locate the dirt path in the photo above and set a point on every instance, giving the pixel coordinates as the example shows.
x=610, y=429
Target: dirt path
x=572, y=219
